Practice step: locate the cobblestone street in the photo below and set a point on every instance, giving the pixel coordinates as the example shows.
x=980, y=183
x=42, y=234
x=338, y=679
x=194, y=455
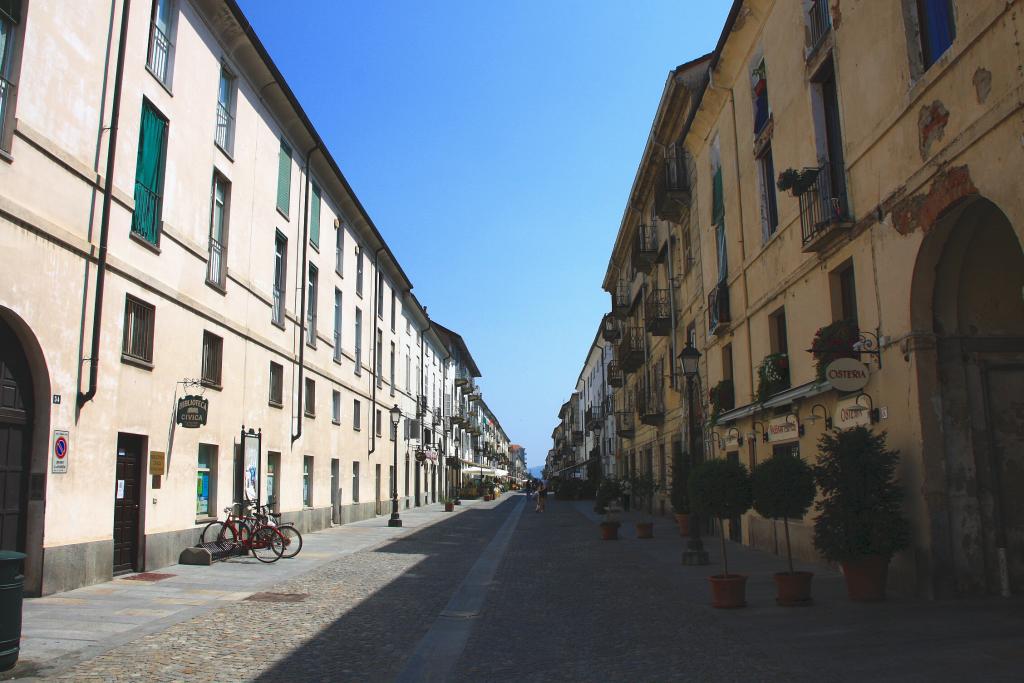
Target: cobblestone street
x=554, y=603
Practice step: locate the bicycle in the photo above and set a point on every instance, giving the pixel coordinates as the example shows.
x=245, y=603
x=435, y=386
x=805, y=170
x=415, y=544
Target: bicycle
x=247, y=532
x=292, y=537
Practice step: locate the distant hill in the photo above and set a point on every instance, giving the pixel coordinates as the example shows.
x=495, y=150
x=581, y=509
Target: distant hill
x=536, y=470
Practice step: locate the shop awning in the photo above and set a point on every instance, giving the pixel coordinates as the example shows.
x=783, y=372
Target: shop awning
x=784, y=398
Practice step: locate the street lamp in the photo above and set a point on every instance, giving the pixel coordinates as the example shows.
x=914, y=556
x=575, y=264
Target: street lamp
x=396, y=417
x=688, y=360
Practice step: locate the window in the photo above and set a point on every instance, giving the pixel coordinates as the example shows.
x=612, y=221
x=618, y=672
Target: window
x=161, y=50
x=310, y=398
x=394, y=305
x=378, y=422
x=687, y=250
x=355, y=482
x=777, y=332
x=225, y=133
x=307, y=481
x=759, y=87
x=392, y=368
x=357, y=417
x=273, y=483
x=380, y=295
x=937, y=27
x=314, y=218
x=359, y=342
x=314, y=281
x=408, y=370
x=149, y=175
x=137, y=343
x=337, y=324
x=217, y=262
x=10, y=15
x=359, y=271
x=379, y=360
x=206, y=481
x=276, y=384
x=280, y=272
x=284, y=178
x=844, y=293
x=336, y=406
x=213, y=353
x=727, y=362
x=769, y=202
x=339, y=249
x=718, y=212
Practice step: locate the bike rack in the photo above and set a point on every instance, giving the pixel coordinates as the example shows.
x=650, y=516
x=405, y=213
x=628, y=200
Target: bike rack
x=221, y=550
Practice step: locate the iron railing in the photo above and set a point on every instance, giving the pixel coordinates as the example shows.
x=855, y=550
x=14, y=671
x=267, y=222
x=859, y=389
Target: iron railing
x=631, y=349
x=718, y=307
x=822, y=205
x=225, y=136
x=621, y=299
x=615, y=376
x=159, y=57
x=672, y=192
x=138, y=330
x=215, y=265
x=277, y=315
x=658, y=312
x=146, y=217
x=645, y=248
x=820, y=20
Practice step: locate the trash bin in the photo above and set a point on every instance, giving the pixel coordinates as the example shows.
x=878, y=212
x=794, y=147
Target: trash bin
x=12, y=585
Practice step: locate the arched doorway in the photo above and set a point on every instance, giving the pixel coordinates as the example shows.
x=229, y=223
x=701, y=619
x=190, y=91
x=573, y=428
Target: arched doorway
x=17, y=400
x=969, y=295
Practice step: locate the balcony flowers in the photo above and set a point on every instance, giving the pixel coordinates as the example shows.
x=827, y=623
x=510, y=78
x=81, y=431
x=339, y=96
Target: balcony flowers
x=832, y=342
x=772, y=376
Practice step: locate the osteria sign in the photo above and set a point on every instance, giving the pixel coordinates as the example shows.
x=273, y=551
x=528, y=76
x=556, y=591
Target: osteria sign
x=847, y=374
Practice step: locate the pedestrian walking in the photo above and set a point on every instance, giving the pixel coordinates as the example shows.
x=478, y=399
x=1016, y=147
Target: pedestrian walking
x=542, y=497
x=627, y=488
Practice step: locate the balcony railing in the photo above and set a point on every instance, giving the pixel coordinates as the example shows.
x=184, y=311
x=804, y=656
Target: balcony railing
x=610, y=328
x=146, y=218
x=462, y=376
x=645, y=248
x=631, y=349
x=159, y=58
x=718, y=309
x=823, y=212
x=820, y=20
x=625, y=424
x=621, y=300
x=651, y=403
x=615, y=375
x=577, y=437
x=593, y=417
x=215, y=266
x=6, y=99
x=225, y=128
x=658, y=312
x=672, y=192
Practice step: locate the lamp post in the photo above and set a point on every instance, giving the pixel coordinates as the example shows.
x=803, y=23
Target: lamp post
x=688, y=360
x=396, y=416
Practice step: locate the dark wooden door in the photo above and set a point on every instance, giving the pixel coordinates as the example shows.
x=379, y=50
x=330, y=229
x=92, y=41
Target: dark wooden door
x=15, y=440
x=1005, y=408
x=127, y=495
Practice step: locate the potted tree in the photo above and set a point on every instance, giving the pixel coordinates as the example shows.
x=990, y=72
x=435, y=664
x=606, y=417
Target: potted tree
x=677, y=493
x=449, y=504
x=721, y=488
x=643, y=487
x=783, y=487
x=861, y=524
x=607, y=493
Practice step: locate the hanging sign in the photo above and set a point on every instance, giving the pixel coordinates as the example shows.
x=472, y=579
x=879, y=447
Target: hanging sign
x=732, y=441
x=192, y=411
x=783, y=429
x=421, y=455
x=847, y=374
x=60, y=451
x=430, y=454
x=850, y=414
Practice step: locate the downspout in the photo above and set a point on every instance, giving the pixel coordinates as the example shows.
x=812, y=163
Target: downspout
x=108, y=191
x=373, y=353
x=303, y=283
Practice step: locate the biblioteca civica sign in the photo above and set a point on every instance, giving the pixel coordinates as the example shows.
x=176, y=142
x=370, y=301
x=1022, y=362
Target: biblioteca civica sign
x=847, y=374
x=192, y=411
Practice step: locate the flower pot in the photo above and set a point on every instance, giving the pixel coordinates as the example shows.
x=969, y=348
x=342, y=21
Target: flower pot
x=683, y=522
x=728, y=590
x=793, y=589
x=865, y=577
x=486, y=498
x=645, y=529
x=609, y=531
x=449, y=507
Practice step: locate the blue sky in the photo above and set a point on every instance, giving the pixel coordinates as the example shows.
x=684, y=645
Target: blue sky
x=494, y=145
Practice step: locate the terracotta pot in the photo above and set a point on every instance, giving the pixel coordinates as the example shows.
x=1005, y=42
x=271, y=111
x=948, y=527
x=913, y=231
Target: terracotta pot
x=793, y=589
x=728, y=590
x=449, y=507
x=865, y=578
x=645, y=529
x=683, y=522
x=609, y=531
x=486, y=498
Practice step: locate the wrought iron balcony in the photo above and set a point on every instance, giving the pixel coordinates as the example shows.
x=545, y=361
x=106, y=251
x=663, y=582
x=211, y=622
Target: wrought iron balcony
x=621, y=299
x=672, y=192
x=610, y=328
x=645, y=248
x=820, y=21
x=593, y=417
x=718, y=309
x=615, y=374
x=631, y=349
x=651, y=403
x=625, y=424
x=823, y=212
x=577, y=437
x=462, y=376
x=658, y=312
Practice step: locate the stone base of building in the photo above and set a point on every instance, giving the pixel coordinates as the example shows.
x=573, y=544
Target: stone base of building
x=66, y=567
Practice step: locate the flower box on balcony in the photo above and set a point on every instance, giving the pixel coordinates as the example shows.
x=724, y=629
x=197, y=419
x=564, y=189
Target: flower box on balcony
x=772, y=376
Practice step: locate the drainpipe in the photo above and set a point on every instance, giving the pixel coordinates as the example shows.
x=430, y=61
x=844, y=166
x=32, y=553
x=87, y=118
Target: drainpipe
x=108, y=191
x=373, y=354
x=304, y=276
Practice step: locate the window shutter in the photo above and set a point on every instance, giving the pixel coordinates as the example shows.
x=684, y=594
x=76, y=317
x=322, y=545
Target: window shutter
x=284, y=177
x=314, y=218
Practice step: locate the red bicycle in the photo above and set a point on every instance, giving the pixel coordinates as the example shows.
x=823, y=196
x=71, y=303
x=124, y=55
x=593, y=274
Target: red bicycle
x=247, y=533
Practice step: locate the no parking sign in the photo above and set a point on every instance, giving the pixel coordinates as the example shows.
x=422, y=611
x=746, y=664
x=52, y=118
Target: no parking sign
x=60, y=451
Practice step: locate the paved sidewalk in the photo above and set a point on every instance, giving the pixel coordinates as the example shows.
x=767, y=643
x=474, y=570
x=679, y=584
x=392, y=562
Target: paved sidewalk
x=60, y=630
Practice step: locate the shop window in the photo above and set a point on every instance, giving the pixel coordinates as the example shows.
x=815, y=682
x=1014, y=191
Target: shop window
x=206, y=482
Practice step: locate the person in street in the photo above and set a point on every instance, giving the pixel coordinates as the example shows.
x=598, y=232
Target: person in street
x=542, y=496
x=627, y=488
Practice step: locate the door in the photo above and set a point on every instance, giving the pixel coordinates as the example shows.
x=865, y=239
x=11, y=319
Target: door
x=127, y=493
x=377, y=488
x=15, y=439
x=1005, y=414
x=335, y=502
x=418, y=485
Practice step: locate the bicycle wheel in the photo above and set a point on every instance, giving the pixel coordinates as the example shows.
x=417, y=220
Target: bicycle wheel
x=217, y=531
x=267, y=544
x=292, y=540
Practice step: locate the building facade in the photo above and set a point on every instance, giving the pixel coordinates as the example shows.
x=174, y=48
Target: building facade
x=174, y=226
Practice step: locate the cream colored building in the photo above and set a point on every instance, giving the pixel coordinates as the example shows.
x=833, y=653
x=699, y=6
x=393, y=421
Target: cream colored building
x=236, y=264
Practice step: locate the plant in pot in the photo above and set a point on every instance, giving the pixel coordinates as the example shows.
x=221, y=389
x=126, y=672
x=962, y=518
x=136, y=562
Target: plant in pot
x=449, y=504
x=608, y=492
x=861, y=523
x=643, y=487
x=678, y=494
x=783, y=487
x=721, y=489
x=832, y=342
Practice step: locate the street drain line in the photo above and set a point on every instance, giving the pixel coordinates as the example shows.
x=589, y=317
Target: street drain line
x=438, y=650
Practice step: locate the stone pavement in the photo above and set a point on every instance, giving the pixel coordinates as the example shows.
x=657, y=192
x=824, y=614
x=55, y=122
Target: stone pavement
x=496, y=592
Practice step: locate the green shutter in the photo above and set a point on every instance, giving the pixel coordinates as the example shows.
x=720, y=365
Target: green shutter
x=284, y=178
x=314, y=218
x=149, y=175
